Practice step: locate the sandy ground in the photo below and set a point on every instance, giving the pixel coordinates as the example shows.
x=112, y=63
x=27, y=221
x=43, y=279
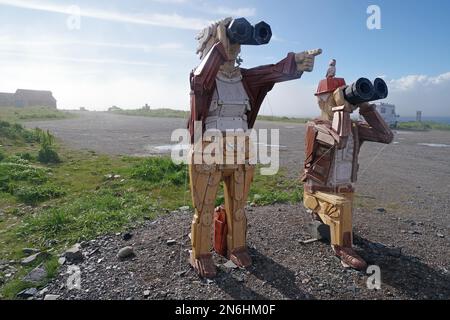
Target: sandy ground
x=409, y=240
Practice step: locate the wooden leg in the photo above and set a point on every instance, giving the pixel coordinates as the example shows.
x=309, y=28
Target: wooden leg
x=237, y=187
x=335, y=210
x=204, y=182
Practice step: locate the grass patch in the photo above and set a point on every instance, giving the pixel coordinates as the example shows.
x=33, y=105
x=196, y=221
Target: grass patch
x=423, y=126
x=158, y=113
x=171, y=113
x=32, y=113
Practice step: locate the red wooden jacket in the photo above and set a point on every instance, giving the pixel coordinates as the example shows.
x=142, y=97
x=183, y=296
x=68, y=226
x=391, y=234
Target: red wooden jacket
x=257, y=82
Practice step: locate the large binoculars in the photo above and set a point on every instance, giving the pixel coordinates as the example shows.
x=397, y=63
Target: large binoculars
x=364, y=91
x=242, y=32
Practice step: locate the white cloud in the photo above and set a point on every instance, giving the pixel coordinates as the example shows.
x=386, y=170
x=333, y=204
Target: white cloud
x=76, y=59
x=155, y=19
x=234, y=12
x=7, y=42
x=431, y=94
x=95, y=88
x=414, y=81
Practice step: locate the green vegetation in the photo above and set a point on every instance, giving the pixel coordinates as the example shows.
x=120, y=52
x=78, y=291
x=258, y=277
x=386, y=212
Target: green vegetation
x=171, y=113
x=32, y=113
x=157, y=113
x=423, y=126
x=51, y=206
x=47, y=153
x=283, y=119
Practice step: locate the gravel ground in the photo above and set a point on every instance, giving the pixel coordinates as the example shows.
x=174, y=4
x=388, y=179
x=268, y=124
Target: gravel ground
x=283, y=268
x=401, y=223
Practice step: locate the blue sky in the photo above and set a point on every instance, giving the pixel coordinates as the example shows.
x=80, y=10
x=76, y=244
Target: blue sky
x=128, y=53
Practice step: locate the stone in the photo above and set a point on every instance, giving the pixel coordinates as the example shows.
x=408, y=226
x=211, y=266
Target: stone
x=29, y=251
x=146, y=293
x=171, y=242
x=36, y=275
x=381, y=210
x=318, y=230
x=27, y=293
x=74, y=254
x=180, y=273
x=127, y=236
x=33, y=258
x=125, y=253
x=43, y=291
x=230, y=265
x=62, y=260
x=184, y=208
x=51, y=297
x=440, y=235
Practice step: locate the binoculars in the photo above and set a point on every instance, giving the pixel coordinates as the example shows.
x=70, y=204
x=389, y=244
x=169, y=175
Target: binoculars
x=364, y=91
x=242, y=32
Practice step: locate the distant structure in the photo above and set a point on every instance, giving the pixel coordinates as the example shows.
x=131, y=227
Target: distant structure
x=419, y=116
x=28, y=98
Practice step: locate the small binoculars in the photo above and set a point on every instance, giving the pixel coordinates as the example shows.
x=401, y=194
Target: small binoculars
x=242, y=32
x=364, y=91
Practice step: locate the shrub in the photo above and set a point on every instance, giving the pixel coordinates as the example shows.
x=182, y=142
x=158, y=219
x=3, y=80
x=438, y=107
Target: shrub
x=47, y=154
x=35, y=194
x=159, y=170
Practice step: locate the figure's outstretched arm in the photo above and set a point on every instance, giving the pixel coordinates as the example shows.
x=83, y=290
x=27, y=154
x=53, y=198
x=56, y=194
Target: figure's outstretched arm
x=290, y=68
x=376, y=129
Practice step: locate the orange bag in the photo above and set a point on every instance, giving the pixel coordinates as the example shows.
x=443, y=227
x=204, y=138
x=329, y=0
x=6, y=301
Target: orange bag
x=220, y=231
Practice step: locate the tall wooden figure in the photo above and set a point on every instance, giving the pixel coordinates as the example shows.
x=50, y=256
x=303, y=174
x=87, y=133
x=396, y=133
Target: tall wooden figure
x=227, y=98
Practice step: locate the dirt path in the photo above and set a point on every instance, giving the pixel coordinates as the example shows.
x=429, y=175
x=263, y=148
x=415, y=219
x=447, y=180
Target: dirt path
x=409, y=239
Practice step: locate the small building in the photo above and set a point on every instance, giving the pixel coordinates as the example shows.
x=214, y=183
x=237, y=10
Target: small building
x=7, y=99
x=387, y=112
x=28, y=98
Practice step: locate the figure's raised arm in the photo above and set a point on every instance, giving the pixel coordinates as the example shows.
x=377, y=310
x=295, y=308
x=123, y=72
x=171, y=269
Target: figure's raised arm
x=290, y=68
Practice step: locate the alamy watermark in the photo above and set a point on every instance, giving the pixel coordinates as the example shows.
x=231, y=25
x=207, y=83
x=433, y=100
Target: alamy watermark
x=231, y=147
x=74, y=279
x=374, y=280
x=73, y=21
x=374, y=20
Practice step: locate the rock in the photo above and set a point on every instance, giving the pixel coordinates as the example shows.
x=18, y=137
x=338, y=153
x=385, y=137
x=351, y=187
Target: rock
x=146, y=293
x=27, y=293
x=62, y=261
x=51, y=297
x=181, y=273
x=33, y=258
x=306, y=281
x=36, y=275
x=230, y=265
x=440, y=235
x=29, y=251
x=43, y=291
x=184, y=208
x=127, y=236
x=74, y=254
x=125, y=253
x=310, y=241
x=171, y=242
x=381, y=210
